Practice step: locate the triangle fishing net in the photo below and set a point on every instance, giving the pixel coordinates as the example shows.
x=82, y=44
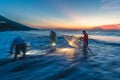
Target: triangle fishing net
x=73, y=41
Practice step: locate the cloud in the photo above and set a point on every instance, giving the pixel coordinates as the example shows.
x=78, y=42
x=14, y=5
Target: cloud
x=110, y=4
x=111, y=27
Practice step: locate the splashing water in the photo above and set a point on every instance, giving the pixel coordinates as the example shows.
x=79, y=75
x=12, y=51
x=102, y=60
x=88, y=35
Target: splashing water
x=73, y=41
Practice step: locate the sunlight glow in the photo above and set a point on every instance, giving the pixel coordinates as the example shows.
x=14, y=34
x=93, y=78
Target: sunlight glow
x=63, y=14
x=69, y=52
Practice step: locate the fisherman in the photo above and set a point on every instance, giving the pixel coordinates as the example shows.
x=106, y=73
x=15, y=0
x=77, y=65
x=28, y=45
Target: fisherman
x=18, y=44
x=53, y=39
x=85, y=40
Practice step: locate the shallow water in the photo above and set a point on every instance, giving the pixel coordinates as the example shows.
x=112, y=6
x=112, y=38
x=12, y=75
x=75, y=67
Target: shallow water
x=66, y=62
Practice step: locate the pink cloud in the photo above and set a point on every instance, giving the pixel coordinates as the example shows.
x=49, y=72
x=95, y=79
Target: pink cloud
x=110, y=27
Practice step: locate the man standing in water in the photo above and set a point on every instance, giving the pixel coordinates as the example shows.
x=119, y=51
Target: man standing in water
x=19, y=44
x=53, y=39
x=85, y=40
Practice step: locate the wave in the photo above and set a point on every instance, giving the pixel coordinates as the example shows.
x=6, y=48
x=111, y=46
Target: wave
x=107, y=40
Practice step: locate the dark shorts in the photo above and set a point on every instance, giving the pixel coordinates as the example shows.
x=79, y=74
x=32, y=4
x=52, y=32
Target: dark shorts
x=19, y=48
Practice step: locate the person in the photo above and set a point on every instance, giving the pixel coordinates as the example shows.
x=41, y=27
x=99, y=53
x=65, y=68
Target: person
x=18, y=45
x=85, y=40
x=53, y=39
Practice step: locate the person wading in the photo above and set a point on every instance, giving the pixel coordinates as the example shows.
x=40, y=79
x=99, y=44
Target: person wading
x=18, y=45
x=53, y=39
x=85, y=41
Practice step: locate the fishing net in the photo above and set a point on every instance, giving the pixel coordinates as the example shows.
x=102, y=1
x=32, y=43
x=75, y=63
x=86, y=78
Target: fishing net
x=73, y=41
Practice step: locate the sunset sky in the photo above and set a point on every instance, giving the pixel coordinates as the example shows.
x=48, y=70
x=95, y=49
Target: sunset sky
x=65, y=14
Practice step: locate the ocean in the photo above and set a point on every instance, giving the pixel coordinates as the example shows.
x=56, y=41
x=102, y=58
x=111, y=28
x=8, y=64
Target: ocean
x=66, y=63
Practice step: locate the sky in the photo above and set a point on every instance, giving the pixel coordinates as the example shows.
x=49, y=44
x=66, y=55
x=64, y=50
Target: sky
x=62, y=14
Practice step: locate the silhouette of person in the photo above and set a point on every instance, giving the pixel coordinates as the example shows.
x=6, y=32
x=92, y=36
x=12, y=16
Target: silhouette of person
x=85, y=40
x=18, y=44
x=53, y=39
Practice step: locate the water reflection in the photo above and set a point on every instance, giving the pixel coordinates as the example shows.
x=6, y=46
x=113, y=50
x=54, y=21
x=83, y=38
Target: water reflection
x=36, y=52
x=113, y=39
x=69, y=52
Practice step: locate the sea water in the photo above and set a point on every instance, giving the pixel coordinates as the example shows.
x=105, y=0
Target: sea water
x=66, y=62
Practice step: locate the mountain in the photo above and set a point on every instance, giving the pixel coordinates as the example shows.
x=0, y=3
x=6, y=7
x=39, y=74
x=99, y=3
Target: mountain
x=7, y=24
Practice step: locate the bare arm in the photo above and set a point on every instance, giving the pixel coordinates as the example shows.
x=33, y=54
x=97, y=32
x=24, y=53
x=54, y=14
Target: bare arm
x=12, y=47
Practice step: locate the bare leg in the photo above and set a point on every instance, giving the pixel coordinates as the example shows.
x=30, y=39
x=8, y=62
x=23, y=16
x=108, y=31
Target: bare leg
x=24, y=55
x=85, y=49
x=15, y=56
x=24, y=51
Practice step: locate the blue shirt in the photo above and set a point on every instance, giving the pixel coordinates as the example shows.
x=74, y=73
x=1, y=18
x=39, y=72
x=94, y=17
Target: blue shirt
x=19, y=40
